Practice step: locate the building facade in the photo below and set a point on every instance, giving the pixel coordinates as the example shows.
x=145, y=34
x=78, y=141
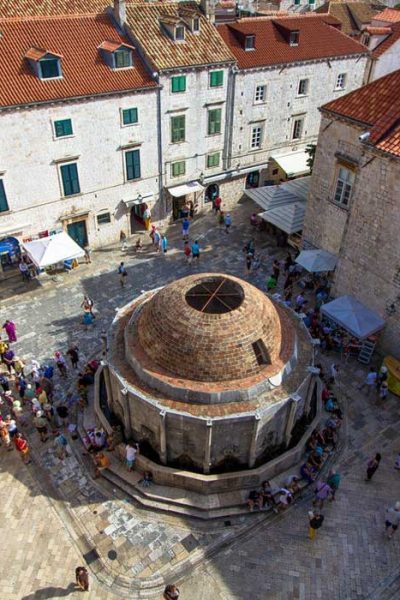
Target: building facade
x=353, y=204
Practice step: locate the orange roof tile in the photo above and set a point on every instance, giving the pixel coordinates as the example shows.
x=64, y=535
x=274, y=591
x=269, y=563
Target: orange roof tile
x=390, y=15
x=377, y=107
x=76, y=39
x=317, y=40
x=32, y=8
x=349, y=12
x=38, y=53
x=113, y=46
x=393, y=37
x=378, y=30
x=202, y=48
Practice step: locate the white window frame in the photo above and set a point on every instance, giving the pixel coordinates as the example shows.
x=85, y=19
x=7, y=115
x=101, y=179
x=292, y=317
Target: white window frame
x=262, y=100
x=341, y=80
x=196, y=20
x=343, y=185
x=179, y=39
x=298, y=119
x=294, y=38
x=252, y=41
x=307, y=87
x=254, y=136
x=121, y=111
x=40, y=73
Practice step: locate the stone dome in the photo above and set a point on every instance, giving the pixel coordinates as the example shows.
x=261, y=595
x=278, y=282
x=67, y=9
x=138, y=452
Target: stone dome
x=212, y=328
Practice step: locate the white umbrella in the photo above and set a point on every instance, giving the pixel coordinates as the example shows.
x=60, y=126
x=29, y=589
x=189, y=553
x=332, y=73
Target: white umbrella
x=53, y=249
x=317, y=261
x=354, y=316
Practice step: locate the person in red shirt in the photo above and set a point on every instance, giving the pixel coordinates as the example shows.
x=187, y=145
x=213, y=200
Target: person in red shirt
x=22, y=447
x=217, y=204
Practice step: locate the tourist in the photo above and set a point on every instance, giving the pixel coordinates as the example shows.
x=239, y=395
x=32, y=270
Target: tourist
x=3, y=348
x=171, y=592
x=11, y=330
x=187, y=252
x=123, y=242
x=87, y=305
x=383, y=392
x=254, y=220
x=271, y=283
x=308, y=472
x=392, y=519
x=60, y=362
x=370, y=380
x=82, y=578
x=267, y=494
x=255, y=499
x=164, y=244
x=220, y=219
x=4, y=382
x=5, y=435
x=62, y=414
x=196, y=251
x=322, y=492
x=138, y=245
x=19, y=366
x=40, y=422
x=316, y=520
x=22, y=447
x=147, y=218
x=42, y=396
x=73, y=353
x=381, y=378
x=249, y=260
x=157, y=240
x=217, y=204
x=372, y=466
x=227, y=222
x=276, y=269
x=102, y=462
x=8, y=359
x=88, y=255
x=123, y=274
x=61, y=443
x=333, y=481
x=300, y=301
x=185, y=228
x=11, y=426
x=131, y=451
x=24, y=270
x=292, y=484
x=284, y=500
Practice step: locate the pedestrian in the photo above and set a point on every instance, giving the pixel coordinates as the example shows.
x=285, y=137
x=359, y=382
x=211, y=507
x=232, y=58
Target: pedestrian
x=383, y=392
x=62, y=414
x=102, y=462
x=300, y=300
x=60, y=362
x=187, y=252
x=131, y=451
x=316, y=520
x=88, y=255
x=4, y=382
x=276, y=269
x=185, y=228
x=372, y=466
x=392, y=519
x=164, y=244
x=22, y=447
x=334, y=372
x=24, y=270
x=147, y=218
x=123, y=274
x=157, y=240
x=171, y=592
x=227, y=222
x=123, y=242
x=381, y=378
x=397, y=463
x=271, y=283
x=322, y=492
x=11, y=330
x=19, y=366
x=40, y=422
x=370, y=380
x=220, y=219
x=73, y=353
x=333, y=481
x=61, y=443
x=82, y=578
x=5, y=436
x=87, y=305
x=196, y=251
x=217, y=204
x=8, y=359
x=3, y=348
x=12, y=427
x=249, y=260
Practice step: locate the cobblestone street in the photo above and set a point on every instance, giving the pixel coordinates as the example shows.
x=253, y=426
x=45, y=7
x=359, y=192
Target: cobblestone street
x=48, y=509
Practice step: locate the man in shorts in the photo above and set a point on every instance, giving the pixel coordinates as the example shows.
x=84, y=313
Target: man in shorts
x=392, y=519
x=130, y=455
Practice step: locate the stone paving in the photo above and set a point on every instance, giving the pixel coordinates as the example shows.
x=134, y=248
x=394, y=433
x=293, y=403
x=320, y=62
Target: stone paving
x=350, y=559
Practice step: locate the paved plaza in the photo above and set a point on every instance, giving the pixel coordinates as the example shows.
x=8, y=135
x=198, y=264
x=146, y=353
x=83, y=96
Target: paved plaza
x=54, y=513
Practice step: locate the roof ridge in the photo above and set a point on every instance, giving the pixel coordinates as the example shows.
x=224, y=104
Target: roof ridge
x=19, y=18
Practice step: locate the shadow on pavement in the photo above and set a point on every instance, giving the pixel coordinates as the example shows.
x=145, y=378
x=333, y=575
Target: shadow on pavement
x=51, y=592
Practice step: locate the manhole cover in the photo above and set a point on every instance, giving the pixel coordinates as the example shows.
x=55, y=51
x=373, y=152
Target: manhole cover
x=189, y=543
x=112, y=555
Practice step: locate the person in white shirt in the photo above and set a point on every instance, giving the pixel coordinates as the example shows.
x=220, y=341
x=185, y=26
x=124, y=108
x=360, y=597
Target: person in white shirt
x=392, y=519
x=130, y=455
x=370, y=380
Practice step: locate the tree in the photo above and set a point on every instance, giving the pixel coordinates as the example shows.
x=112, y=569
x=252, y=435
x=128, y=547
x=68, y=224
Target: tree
x=310, y=149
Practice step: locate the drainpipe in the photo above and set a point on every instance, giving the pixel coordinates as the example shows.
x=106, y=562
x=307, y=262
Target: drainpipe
x=159, y=147
x=207, y=453
x=230, y=106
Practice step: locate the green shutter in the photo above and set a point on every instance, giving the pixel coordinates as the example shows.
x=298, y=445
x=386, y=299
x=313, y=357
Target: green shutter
x=214, y=121
x=178, y=84
x=130, y=116
x=69, y=174
x=213, y=160
x=132, y=161
x=216, y=78
x=178, y=168
x=122, y=59
x=63, y=127
x=178, y=129
x=3, y=198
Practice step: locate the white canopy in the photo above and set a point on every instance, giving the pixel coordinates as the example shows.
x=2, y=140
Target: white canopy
x=354, y=316
x=294, y=164
x=52, y=249
x=272, y=196
x=289, y=218
x=317, y=261
x=188, y=188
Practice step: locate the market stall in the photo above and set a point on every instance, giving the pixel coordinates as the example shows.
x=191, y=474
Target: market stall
x=317, y=261
x=393, y=380
x=52, y=250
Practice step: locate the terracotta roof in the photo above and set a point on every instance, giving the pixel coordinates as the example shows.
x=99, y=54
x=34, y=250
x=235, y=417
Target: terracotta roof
x=317, y=40
x=113, y=46
x=203, y=48
x=77, y=40
x=393, y=37
x=38, y=53
x=348, y=12
x=32, y=8
x=389, y=14
x=377, y=107
x=378, y=30
x=361, y=11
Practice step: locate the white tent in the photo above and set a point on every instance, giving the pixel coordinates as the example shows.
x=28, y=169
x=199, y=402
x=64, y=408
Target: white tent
x=317, y=261
x=53, y=249
x=354, y=316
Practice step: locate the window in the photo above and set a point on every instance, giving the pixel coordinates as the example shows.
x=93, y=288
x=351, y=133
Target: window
x=297, y=2
x=256, y=135
x=216, y=78
x=303, y=87
x=50, y=68
x=178, y=168
x=297, y=129
x=213, y=160
x=261, y=353
x=177, y=129
x=129, y=116
x=122, y=59
x=70, y=179
x=294, y=38
x=103, y=218
x=311, y=2
x=132, y=163
x=214, y=121
x=250, y=42
x=63, y=128
x=178, y=84
x=341, y=81
x=196, y=25
x=344, y=185
x=179, y=33
x=3, y=198
x=260, y=94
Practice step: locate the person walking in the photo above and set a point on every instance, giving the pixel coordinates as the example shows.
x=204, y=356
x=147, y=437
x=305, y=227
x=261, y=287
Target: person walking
x=187, y=252
x=40, y=422
x=322, y=492
x=88, y=255
x=73, y=353
x=392, y=519
x=123, y=274
x=24, y=270
x=217, y=204
x=370, y=380
x=11, y=330
x=61, y=443
x=82, y=578
x=122, y=239
x=276, y=269
x=185, y=228
x=315, y=522
x=196, y=251
x=372, y=466
x=171, y=592
x=131, y=451
x=87, y=305
x=334, y=480
x=227, y=222
x=60, y=362
x=271, y=283
x=164, y=244
x=22, y=448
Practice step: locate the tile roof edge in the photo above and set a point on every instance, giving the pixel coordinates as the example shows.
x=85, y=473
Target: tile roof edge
x=343, y=116
x=305, y=60
x=19, y=18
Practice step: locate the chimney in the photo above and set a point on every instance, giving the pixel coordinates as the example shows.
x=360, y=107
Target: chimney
x=208, y=8
x=120, y=11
